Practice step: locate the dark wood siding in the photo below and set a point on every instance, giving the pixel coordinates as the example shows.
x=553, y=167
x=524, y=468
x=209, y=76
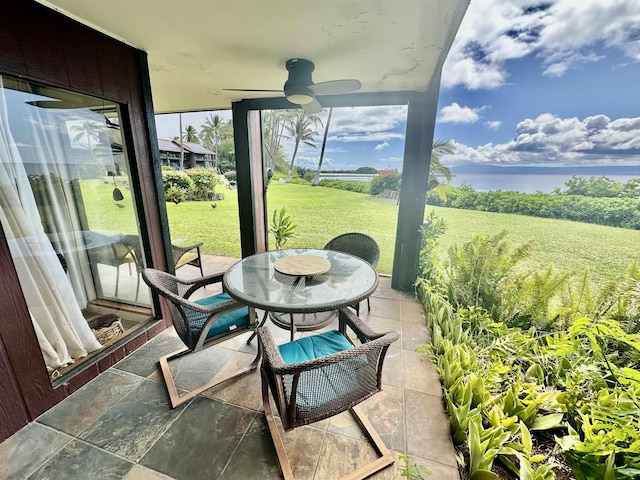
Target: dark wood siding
x=43, y=46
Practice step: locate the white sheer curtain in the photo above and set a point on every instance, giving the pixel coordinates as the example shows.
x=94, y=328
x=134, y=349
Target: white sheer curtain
x=62, y=332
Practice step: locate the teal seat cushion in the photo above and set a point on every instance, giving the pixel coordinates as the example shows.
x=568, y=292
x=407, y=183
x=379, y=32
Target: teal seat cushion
x=229, y=321
x=314, y=346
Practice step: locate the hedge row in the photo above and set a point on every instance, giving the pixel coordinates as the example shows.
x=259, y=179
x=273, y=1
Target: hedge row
x=615, y=212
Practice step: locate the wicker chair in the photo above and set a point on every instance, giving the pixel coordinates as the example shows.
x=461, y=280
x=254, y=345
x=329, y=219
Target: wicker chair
x=360, y=245
x=310, y=387
x=200, y=323
x=187, y=255
x=116, y=251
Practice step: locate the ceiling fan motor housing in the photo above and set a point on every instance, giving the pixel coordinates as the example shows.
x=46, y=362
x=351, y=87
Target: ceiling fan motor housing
x=296, y=88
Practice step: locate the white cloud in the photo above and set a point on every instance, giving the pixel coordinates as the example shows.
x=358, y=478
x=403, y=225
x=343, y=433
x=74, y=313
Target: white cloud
x=562, y=32
x=308, y=162
x=548, y=139
x=493, y=124
x=381, y=146
x=454, y=113
x=367, y=119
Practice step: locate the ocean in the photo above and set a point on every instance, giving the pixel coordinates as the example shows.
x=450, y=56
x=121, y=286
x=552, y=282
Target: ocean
x=524, y=183
x=524, y=179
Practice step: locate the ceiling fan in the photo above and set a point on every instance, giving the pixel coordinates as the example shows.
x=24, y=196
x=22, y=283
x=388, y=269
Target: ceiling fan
x=300, y=89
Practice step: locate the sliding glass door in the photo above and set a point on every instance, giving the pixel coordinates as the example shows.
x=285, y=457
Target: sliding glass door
x=68, y=213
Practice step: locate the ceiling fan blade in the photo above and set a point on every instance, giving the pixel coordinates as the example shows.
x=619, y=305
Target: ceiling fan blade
x=312, y=107
x=333, y=87
x=249, y=90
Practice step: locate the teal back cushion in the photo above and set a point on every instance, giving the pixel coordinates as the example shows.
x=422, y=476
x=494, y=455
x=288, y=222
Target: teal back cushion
x=314, y=346
x=228, y=321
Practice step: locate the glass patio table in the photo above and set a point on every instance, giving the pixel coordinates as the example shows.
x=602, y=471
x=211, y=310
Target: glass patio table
x=298, y=301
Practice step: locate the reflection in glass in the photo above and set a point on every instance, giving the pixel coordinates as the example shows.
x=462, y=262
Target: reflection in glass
x=67, y=212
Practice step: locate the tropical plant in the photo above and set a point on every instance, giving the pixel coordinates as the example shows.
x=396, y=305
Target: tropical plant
x=506, y=381
x=274, y=132
x=438, y=173
x=88, y=130
x=190, y=134
x=211, y=134
x=301, y=130
x=282, y=227
x=413, y=471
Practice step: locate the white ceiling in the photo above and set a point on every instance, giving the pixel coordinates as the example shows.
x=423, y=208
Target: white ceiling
x=197, y=48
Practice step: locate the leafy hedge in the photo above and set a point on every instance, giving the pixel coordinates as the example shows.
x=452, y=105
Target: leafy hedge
x=386, y=180
x=615, y=212
x=196, y=184
x=349, y=185
x=528, y=359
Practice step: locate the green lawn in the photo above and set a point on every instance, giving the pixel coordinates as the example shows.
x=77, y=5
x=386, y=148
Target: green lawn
x=323, y=213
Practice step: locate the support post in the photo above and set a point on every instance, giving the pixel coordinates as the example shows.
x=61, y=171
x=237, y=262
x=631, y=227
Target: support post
x=247, y=134
x=421, y=120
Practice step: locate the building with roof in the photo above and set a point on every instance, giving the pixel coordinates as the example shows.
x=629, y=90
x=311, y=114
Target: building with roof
x=195, y=155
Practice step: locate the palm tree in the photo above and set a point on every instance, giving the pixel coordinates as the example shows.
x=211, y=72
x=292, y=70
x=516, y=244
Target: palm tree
x=437, y=171
x=190, y=134
x=89, y=130
x=301, y=130
x=316, y=178
x=211, y=134
x=275, y=122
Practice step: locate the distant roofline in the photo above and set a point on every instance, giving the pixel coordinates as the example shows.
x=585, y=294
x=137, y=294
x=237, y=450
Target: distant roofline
x=190, y=147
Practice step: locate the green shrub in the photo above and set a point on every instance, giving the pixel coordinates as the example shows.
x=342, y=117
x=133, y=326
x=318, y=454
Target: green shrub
x=349, y=185
x=386, y=180
x=175, y=194
x=505, y=380
x=204, y=182
x=615, y=212
x=299, y=181
x=176, y=179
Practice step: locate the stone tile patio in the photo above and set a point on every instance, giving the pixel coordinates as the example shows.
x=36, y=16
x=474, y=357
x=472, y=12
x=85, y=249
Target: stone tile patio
x=120, y=425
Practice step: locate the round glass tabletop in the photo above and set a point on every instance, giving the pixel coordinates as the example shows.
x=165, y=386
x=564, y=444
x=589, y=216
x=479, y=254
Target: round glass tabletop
x=254, y=281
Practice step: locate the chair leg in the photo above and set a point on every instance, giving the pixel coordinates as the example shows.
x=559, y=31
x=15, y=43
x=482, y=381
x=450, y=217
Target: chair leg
x=283, y=460
x=175, y=398
x=385, y=458
x=117, y=279
x=137, y=285
x=262, y=322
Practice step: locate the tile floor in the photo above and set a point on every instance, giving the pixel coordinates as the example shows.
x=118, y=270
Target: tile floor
x=120, y=425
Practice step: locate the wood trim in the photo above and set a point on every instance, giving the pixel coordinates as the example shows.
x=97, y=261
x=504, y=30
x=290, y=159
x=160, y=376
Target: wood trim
x=13, y=414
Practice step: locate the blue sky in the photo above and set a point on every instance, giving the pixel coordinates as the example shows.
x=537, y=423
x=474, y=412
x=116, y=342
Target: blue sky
x=525, y=83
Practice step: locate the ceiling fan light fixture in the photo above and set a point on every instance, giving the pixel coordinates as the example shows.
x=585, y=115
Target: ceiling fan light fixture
x=300, y=98
x=298, y=93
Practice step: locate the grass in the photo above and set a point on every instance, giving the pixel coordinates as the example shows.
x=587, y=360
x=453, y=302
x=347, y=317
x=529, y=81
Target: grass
x=322, y=213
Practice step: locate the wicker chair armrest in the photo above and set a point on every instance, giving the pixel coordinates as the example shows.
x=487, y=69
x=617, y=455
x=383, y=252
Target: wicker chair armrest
x=274, y=360
x=182, y=250
x=348, y=318
x=192, y=286
x=198, y=283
